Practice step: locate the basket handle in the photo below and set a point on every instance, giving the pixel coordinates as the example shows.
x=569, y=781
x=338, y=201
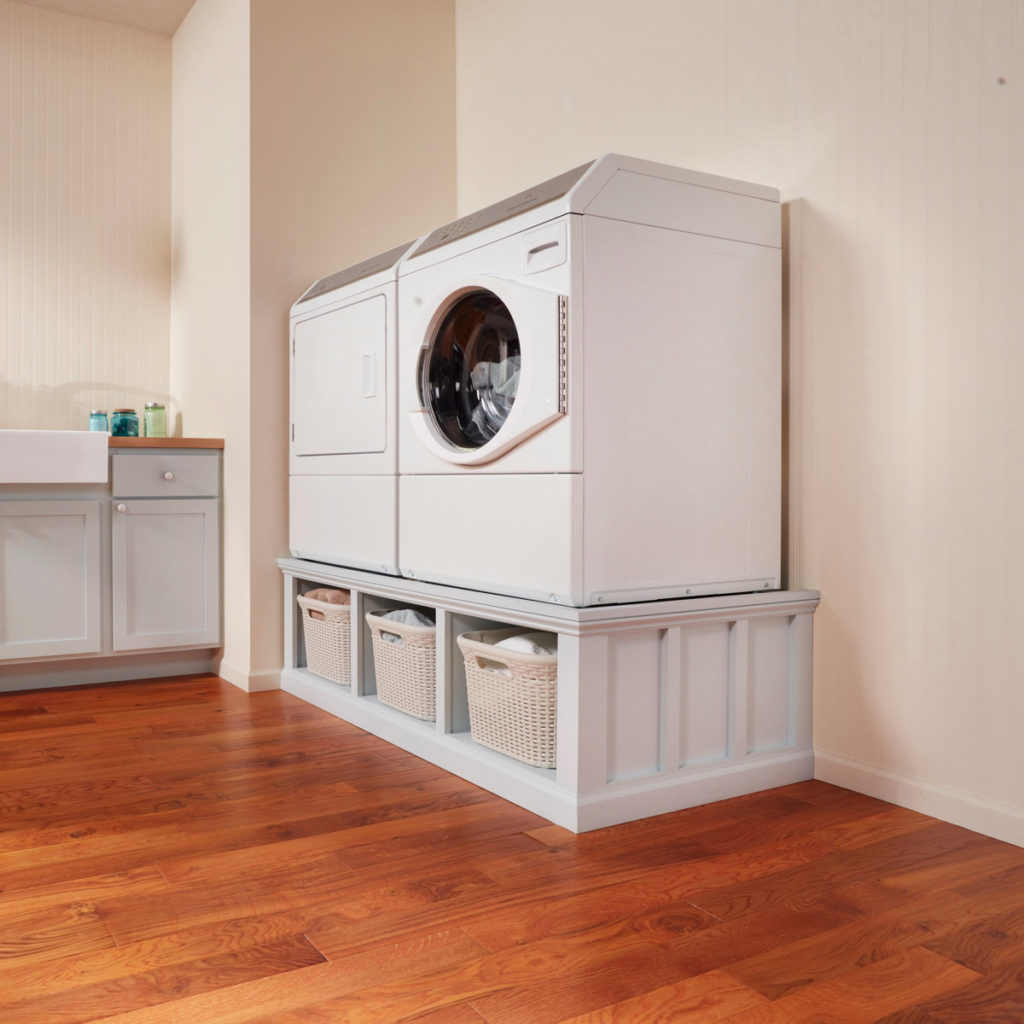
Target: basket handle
x=315, y=613
x=378, y=630
x=490, y=664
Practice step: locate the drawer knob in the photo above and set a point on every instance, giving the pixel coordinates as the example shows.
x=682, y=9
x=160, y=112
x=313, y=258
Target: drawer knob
x=168, y=475
x=122, y=507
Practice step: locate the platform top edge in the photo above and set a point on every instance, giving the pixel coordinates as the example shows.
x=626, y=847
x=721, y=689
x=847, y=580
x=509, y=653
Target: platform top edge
x=460, y=599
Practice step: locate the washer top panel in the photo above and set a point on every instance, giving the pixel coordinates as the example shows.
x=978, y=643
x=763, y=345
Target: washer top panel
x=521, y=202
x=625, y=188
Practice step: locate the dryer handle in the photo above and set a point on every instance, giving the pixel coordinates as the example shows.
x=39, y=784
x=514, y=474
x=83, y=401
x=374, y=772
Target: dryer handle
x=369, y=375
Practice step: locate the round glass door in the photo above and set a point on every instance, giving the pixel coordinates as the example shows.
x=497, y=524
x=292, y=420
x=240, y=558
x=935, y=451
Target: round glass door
x=470, y=373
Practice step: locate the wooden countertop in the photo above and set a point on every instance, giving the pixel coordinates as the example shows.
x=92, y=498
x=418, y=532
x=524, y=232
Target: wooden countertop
x=165, y=442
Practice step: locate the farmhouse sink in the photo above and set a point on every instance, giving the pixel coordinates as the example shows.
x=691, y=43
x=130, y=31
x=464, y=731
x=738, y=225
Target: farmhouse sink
x=53, y=457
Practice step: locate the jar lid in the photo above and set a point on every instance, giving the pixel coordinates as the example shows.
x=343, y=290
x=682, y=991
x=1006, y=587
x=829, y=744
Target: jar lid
x=125, y=410
x=154, y=405
x=97, y=412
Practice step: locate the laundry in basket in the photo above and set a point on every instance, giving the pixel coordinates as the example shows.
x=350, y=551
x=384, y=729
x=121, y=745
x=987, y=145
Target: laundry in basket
x=407, y=617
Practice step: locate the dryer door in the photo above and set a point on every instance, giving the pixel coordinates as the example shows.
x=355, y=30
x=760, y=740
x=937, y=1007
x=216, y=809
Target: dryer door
x=491, y=369
x=338, y=368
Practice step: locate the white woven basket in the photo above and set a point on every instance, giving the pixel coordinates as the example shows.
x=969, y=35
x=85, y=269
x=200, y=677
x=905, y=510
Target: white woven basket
x=326, y=628
x=405, y=667
x=512, y=697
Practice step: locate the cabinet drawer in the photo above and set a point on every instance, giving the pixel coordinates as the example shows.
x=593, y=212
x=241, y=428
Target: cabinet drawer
x=158, y=475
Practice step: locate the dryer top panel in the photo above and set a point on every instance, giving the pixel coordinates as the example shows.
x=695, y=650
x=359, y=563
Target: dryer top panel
x=521, y=202
x=374, y=265
x=620, y=187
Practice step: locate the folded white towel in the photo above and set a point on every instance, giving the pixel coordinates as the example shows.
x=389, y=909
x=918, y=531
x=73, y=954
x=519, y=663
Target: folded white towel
x=531, y=643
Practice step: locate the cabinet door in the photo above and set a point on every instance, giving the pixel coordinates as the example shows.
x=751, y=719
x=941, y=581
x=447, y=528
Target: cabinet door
x=165, y=573
x=50, y=584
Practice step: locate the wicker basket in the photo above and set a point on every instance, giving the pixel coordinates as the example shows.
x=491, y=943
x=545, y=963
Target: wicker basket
x=512, y=697
x=326, y=628
x=404, y=667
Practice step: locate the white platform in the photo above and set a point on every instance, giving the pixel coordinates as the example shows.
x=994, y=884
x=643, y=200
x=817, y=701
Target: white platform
x=661, y=705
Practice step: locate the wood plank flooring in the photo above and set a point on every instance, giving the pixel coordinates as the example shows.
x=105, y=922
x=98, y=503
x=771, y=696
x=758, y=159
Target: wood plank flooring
x=179, y=851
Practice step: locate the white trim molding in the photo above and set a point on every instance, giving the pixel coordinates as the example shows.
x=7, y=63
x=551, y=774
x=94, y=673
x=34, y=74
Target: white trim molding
x=1000, y=821
x=251, y=682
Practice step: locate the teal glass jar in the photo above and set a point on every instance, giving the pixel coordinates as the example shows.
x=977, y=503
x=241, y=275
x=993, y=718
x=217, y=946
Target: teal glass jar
x=98, y=420
x=156, y=420
x=124, y=423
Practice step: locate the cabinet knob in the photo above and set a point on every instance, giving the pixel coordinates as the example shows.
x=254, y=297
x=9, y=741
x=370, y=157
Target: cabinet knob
x=168, y=475
x=122, y=507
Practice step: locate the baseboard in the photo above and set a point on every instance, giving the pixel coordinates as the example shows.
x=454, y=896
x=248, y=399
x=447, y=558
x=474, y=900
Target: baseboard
x=251, y=682
x=268, y=679
x=1000, y=821
x=56, y=672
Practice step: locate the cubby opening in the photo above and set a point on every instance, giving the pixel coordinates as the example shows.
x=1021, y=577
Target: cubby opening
x=304, y=587
x=455, y=674
x=379, y=606
x=455, y=665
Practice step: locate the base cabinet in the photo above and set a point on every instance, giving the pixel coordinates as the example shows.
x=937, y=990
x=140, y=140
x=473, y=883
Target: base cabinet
x=661, y=705
x=122, y=580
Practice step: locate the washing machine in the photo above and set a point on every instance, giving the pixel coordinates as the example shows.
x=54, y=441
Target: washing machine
x=590, y=390
x=343, y=460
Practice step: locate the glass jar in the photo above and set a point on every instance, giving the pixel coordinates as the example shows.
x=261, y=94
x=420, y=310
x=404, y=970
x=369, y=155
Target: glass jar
x=98, y=420
x=124, y=423
x=156, y=420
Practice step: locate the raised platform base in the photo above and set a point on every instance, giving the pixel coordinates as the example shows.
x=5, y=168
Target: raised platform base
x=661, y=705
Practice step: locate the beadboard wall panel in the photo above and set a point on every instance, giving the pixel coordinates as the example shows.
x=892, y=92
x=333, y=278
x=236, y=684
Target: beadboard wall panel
x=85, y=212
x=895, y=131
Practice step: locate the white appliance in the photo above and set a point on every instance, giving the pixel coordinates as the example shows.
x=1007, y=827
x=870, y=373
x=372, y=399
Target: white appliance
x=590, y=390
x=343, y=460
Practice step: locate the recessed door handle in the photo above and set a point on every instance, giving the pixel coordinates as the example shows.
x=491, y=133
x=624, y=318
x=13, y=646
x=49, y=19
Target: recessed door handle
x=369, y=375
x=538, y=249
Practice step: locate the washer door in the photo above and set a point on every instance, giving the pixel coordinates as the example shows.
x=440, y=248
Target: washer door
x=491, y=369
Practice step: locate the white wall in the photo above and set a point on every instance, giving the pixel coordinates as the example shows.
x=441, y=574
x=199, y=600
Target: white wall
x=895, y=132
x=307, y=136
x=210, y=330
x=84, y=217
x=353, y=152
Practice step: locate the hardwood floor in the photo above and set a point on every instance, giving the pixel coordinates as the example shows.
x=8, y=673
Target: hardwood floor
x=181, y=851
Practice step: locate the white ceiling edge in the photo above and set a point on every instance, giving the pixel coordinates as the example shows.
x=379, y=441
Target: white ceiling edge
x=163, y=16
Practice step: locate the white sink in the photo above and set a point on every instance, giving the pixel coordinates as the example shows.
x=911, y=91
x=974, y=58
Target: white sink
x=53, y=457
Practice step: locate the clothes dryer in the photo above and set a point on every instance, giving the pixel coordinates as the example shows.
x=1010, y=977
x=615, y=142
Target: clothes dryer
x=343, y=458
x=590, y=390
